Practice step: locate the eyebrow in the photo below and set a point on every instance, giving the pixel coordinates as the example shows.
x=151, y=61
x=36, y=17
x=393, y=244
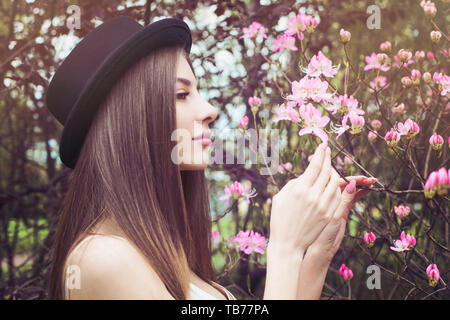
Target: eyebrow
x=187, y=82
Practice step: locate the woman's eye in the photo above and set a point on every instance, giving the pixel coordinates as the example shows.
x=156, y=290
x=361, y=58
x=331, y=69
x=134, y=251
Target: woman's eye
x=182, y=95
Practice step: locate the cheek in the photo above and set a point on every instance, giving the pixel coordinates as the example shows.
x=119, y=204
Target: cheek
x=183, y=117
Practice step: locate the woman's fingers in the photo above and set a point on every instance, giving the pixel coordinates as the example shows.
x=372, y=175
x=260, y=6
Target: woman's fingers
x=324, y=175
x=360, y=180
x=315, y=166
x=331, y=194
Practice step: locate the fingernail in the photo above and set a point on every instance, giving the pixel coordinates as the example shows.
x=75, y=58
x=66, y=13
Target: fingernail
x=351, y=187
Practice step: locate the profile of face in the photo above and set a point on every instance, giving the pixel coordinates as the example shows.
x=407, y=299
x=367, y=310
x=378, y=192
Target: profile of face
x=193, y=116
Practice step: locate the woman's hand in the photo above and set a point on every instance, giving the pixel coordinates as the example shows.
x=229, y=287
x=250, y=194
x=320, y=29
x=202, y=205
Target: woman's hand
x=329, y=241
x=305, y=205
x=317, y=259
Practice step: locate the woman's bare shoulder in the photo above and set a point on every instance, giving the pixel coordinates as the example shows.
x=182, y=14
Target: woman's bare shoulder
x=112, y=268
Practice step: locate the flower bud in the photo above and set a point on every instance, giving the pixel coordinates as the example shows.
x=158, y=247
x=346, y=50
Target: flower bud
x=400, y=109
x=382, y=57
x=420, y=55
x=404, y=55
x=426, y=77
x=406, y=81
x=435, y=36
x=430, y=10
x=244, y=122
x=436, y=141
x=392, y=138
x=369, y=239
x=402, y=211
x=433, y=275
x=371, y=136
x=386, y=47
x=376, y=124
x=345, y=36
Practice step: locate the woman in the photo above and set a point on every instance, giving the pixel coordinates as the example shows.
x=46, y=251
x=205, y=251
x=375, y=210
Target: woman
x=135, y=223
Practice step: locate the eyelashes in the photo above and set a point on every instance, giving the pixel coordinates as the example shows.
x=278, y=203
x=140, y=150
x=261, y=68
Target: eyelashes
x=182, y=96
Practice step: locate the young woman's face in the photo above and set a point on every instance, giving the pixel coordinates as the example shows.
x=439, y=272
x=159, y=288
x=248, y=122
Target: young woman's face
x=193, y=115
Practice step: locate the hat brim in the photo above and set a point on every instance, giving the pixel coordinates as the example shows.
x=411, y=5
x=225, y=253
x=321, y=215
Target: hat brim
x=167, y=32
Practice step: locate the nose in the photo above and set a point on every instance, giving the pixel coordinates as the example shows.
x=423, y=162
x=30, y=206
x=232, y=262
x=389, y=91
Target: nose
x=208, y=113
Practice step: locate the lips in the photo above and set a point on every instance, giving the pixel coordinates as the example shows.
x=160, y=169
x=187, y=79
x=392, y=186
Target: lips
x=204, y=138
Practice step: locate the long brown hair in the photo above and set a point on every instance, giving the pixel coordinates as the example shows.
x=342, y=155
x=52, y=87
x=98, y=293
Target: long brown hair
x=125, y=172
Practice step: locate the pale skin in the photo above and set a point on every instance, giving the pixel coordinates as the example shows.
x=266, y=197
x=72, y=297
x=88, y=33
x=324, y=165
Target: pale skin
x=306, y=230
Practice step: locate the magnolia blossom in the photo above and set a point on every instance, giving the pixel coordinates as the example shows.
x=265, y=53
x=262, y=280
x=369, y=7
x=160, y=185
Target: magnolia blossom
x=444, y=81
x=300, y=23
x=314, y=122
x=319, y=64
x=438, y=181
x=249, y=241
x=344, y=104
x=436, y=141
x=345, y=35
x=283, y=42
x=309, y=88
x=406, y=81
x=406, y=243
x=369, y=239
x=377, y=83
x=285, y=166
x=403, y=58
x=400, y=109
x=376, y=124
x=254, y=29
x=435, y=36
x=236, y=190
x=345, y=272
x=374, y=63
x=215, y=237
x=286, y=112
x=429, y=8
x=243, y=122
x=386, y=46
x=433, y=275
x=420, y=55
x=409, y=128
x=402, y=211
x=392, y=137
x=371, y=136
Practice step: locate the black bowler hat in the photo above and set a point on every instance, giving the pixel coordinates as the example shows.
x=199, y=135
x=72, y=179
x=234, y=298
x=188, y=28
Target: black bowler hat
x=89, y=72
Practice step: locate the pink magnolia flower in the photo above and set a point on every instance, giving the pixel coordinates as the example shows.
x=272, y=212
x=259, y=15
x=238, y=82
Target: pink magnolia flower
x=254, y=29
x=215, y=237
x=309, y=88
x=254, y=101
x=403, y=58
x=357, y=123
x=392, y=138
x=286, y=112
x=444, y=81
x=433, y=275
x=283, y=42
x=374, y=63
x=415, y=74
x=376, y=124
x=369, y=239
x=377, y=83
x=345, y=35
x=243, y=122
x=386, y=46
x=406, y=243
x=286, y=166
x=429, y=8
x=344, y=104
x=430, y=55
x=314, y=122
x=371, y=136
x=319, y=64
x=400, y=109
x=345, y=272
x=406, y=81
x=409, y=128
x=236, y=190
x=435, y=36
x=402, y=211
x=300, y=23
x=420, y=55
x=436, y=141
x=249, y=241
x=442, y=181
